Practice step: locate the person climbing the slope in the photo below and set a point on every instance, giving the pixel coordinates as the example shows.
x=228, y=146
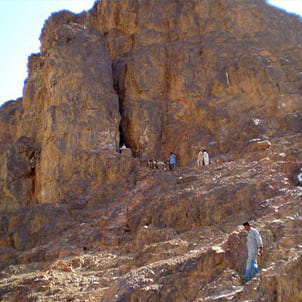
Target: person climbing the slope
x=172, y=161
x=254, y=248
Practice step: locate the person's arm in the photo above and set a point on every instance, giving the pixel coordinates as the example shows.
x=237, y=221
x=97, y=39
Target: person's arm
x=259, y=242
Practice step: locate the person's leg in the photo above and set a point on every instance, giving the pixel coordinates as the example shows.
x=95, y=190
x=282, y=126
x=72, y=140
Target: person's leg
x=251, y=267
x=248, y=269
x=254, y=266
x=249, y=273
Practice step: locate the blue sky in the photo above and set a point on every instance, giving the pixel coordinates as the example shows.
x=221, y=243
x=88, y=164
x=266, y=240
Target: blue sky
x=21, y=22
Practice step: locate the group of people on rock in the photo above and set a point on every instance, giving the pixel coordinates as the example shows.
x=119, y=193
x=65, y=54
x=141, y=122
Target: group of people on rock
x=203, y=159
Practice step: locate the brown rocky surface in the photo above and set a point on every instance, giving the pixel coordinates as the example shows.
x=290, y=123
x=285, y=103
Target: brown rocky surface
x=215, y=73
x=81, y=221
x=175, y=237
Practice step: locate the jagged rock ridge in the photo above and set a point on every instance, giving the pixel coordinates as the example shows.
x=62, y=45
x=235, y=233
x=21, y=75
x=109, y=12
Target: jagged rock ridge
x=157, y=76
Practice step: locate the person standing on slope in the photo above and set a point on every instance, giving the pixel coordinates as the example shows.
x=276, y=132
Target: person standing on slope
x=172, y=161
x=254, y=248
x=203, y=158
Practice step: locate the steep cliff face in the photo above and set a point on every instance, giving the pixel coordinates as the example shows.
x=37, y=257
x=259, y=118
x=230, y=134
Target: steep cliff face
x=158, y=76
x=79, y=114
x=194, y=74
x=70, y=123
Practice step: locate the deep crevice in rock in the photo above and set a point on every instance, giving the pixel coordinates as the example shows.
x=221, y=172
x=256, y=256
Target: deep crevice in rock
x=118, y=71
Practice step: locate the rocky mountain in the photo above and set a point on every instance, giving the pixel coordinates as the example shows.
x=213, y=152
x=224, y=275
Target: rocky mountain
x=82, y=220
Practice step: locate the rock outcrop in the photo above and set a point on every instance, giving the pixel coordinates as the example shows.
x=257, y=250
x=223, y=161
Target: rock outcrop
x=202, y=73
x=83, y=220
x=69, y=129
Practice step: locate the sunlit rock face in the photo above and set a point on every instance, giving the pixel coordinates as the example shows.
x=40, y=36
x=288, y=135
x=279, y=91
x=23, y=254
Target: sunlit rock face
x=79, y=115
x=193, y=74
x=156, y=76
x=71, y=117
x=15, y=168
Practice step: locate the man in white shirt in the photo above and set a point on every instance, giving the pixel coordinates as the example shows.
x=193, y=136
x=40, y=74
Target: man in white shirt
x=254, y=248
x=205, y=157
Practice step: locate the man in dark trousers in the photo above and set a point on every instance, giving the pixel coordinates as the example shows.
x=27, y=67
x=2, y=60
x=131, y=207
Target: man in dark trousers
x=254, y=248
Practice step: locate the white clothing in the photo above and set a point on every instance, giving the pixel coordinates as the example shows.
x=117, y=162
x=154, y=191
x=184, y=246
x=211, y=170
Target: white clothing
x=254, y=242
x=205, y=158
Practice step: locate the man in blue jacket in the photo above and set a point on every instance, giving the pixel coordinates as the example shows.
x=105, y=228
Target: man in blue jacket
x=172, y=161
x=254, y=247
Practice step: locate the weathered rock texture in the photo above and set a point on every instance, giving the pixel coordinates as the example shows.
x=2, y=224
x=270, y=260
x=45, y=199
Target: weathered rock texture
x=202, y=73
x=69, y=132
x=81, y=221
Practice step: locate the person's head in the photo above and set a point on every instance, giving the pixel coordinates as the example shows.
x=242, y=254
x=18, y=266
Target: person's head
x=246, y=225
